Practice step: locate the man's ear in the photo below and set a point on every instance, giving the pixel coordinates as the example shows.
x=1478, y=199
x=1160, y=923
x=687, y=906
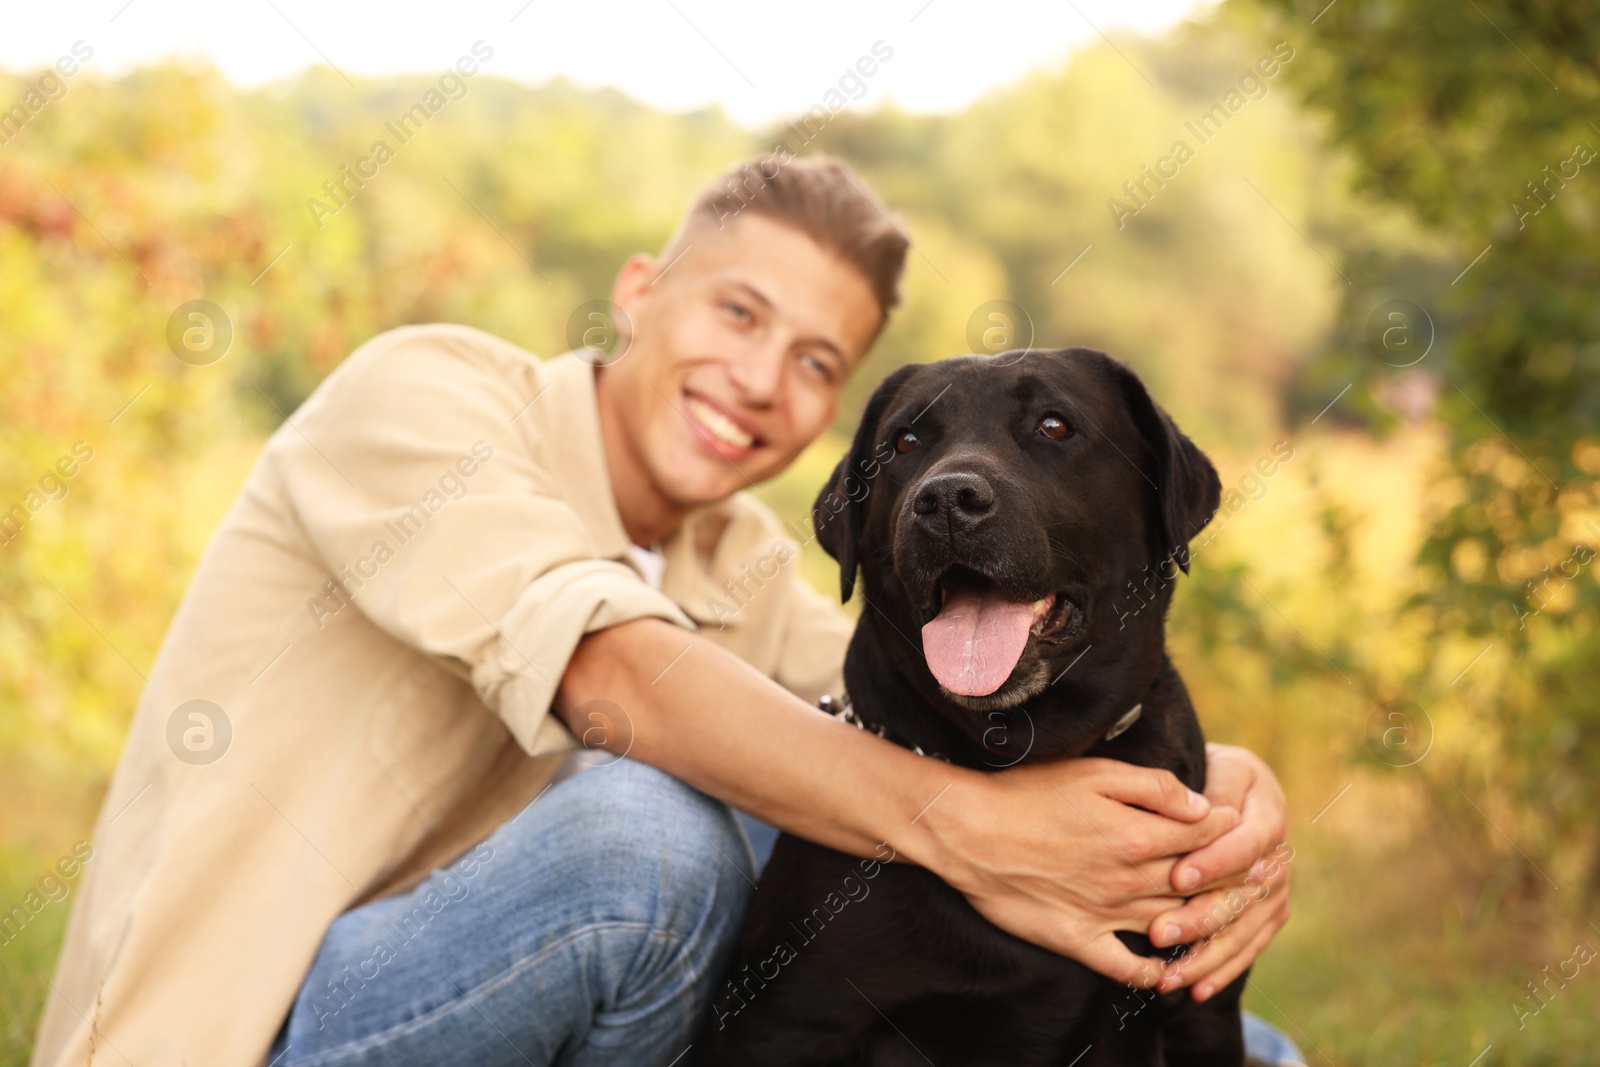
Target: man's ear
x=839, y=513
x=1186, y=483
x=632, y=282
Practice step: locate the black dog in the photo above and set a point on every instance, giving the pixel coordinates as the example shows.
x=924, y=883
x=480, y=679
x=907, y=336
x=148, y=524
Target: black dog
x=1002, y=510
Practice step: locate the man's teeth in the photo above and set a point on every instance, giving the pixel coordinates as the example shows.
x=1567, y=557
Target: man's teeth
x=719, y=425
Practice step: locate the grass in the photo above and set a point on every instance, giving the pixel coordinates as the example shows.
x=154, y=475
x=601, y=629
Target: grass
x=1378, y=967
x=28, y=960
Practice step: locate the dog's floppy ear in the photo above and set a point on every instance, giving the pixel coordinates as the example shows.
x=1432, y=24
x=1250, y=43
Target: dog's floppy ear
x=840, y=510
x=1186, y=482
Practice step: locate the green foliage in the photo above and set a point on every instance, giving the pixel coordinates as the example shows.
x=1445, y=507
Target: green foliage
x=1478, y=122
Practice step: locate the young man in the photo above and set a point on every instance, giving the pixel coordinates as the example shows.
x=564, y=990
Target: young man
x=334, y=838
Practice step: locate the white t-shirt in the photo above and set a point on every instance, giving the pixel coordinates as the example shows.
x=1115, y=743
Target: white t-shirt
x=651, y=563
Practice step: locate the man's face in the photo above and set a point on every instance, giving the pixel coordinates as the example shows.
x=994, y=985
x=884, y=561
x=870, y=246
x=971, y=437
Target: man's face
x=740, y=349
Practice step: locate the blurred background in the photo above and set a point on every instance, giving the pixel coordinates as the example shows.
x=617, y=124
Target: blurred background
x=1359, y=234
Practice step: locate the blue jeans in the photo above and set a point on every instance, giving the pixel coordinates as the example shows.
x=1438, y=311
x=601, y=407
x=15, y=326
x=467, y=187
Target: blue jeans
x=590, y=930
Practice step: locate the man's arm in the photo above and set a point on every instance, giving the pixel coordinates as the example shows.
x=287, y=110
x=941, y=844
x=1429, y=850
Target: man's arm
x=1053, y=853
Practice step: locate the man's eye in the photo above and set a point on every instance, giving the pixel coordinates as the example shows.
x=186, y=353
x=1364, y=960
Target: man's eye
x=819, y=365
x=739, y=311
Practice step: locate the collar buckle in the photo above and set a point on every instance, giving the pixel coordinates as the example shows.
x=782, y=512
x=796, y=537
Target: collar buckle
x=1122, y=724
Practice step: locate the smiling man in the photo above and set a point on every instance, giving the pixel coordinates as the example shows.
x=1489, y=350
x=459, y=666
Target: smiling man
x=346, y=826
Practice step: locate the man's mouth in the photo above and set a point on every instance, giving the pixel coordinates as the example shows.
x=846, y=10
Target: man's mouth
x=978, y=633
x=722, y=431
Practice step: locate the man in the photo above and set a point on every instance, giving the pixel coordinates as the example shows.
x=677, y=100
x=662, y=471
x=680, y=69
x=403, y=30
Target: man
x=335, y=835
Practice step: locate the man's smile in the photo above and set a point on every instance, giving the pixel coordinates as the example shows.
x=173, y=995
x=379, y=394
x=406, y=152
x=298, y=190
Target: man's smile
x=722, y=431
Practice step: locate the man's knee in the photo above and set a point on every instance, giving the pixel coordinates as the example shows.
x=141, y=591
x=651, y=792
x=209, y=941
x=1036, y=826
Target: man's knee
x=652, y=849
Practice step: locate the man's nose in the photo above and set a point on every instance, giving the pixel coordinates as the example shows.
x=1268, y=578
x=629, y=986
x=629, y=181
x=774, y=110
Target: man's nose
x=957, y=500
x=757, y=374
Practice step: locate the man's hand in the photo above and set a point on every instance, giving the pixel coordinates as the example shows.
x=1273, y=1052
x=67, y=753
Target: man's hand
x=1056, y=855
x=1243, y=877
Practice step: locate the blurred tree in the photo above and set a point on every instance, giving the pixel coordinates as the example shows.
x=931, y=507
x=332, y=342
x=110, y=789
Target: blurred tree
x=1478, y=121
x=507, y=210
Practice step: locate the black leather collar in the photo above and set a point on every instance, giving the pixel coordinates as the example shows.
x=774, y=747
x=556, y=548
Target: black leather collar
x=842, y=709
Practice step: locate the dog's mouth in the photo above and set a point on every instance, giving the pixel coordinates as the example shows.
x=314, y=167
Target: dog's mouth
x=978, y=631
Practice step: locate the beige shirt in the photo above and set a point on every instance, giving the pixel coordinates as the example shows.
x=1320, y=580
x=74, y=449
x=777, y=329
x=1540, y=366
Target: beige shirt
x=382, y=617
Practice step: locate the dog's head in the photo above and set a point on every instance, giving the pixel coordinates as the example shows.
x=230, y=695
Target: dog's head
x=999, y=508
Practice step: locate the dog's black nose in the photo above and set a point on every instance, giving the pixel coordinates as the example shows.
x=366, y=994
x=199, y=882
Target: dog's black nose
x=963, y=499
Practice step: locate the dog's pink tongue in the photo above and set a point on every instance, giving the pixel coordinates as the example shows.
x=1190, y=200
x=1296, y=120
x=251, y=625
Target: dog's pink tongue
x=973, y=644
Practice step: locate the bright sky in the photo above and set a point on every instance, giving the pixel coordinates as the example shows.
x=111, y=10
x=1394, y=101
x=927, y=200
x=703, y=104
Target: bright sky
x=758, y=60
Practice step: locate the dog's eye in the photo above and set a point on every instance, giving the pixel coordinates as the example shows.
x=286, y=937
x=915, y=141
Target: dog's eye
x=906, y=442
x=1055, y=427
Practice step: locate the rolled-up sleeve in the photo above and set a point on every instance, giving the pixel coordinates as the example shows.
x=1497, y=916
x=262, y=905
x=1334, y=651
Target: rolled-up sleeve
x=420, y=480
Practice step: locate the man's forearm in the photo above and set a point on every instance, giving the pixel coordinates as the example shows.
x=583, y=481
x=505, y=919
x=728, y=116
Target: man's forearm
x=717, y=723
x=1034, y=848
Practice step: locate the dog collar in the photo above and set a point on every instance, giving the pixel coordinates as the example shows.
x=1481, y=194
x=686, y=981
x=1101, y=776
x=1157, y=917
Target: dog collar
x=844, y=710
